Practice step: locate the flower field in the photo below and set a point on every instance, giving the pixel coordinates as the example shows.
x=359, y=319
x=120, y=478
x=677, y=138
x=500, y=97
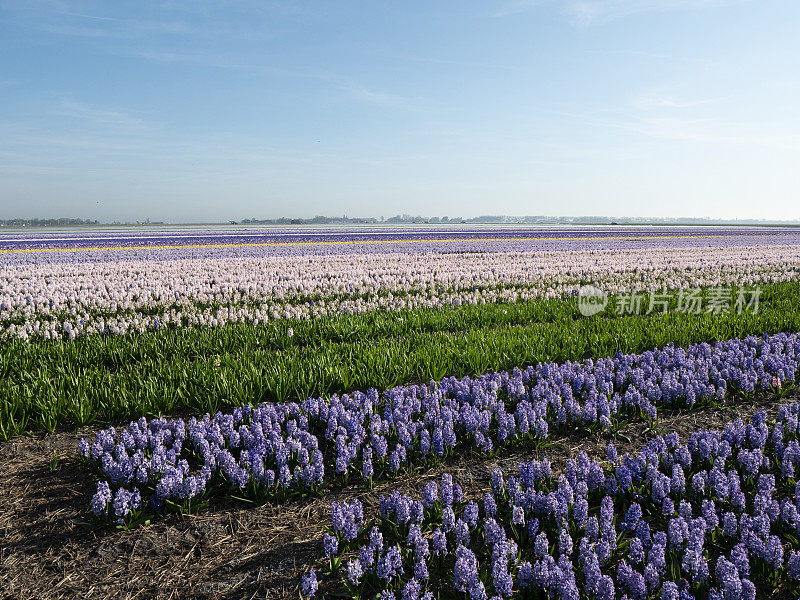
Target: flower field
x=69, y=299
x=408, y=413
x=278, y=449
x=707, y=517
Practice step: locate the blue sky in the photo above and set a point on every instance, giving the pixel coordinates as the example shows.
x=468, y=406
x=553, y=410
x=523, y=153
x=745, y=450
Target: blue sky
x=216, y=110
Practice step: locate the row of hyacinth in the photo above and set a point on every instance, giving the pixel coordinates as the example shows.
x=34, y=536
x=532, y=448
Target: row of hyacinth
x=716, y=517
x=276, y=449
x=69, y=300
x=337, y=239
x=96, y=245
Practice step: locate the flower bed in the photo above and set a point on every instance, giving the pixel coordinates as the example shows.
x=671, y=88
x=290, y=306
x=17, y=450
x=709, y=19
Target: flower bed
x=716, y=517
x=277, y=449
x=74, y=299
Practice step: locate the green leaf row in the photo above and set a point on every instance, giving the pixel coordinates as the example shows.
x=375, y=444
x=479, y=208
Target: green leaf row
x=44, y=385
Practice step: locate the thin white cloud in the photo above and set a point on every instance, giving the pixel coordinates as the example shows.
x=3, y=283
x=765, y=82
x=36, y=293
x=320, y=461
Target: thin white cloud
x=114, y=120
x=377, y=98
x=655, y=102
x=203, y=59
x=117, y=28
x=90, y=17
x=675, y=117
x=66, y=18
x=82, y=31
x=451, y=62
x=31, y=141
x=513, y=7
x=711, y=131
x=354, y=90
x=592, y=12
x=668, y=125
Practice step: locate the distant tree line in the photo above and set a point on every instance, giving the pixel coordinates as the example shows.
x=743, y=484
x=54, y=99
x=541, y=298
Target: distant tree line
x=397, y=219
x=535, y=219
x=46, y=222
x=406, y=219
x=318, y=220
